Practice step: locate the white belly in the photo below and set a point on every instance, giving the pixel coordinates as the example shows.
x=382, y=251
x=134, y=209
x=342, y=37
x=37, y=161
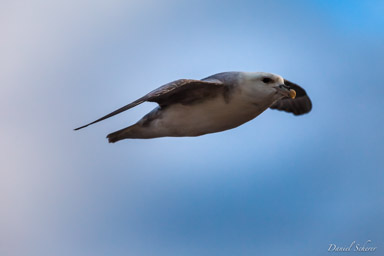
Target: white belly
x=211, y=116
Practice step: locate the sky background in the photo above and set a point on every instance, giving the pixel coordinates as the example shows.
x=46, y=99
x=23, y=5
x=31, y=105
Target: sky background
x=278, y=185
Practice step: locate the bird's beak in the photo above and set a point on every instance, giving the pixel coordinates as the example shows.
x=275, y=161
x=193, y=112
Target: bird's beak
x=286, y=91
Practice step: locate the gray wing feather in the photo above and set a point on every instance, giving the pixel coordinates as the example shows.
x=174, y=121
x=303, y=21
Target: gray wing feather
x=182, y=90
x=300, y=105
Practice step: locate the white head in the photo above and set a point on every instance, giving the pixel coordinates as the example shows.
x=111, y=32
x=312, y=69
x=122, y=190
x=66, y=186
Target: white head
x=265, y=85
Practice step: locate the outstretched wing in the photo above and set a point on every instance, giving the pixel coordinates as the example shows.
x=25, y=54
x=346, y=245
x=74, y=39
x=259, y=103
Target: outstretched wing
x=183, y=91
x=300, y=105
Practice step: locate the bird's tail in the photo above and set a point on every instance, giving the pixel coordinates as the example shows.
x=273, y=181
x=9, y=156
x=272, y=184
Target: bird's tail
x=126, y=133
x=136, y=131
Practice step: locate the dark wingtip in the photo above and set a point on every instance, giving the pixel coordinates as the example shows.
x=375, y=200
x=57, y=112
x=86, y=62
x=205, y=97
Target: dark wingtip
x=81, y=127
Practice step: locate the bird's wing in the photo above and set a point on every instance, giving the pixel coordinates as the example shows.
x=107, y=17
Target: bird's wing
x=183, y=91
x=300, y=105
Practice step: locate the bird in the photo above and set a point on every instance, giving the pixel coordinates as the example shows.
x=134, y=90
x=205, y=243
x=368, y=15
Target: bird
x=223, y=101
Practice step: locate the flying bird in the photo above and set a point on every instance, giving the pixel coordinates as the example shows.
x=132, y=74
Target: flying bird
x=217, y=103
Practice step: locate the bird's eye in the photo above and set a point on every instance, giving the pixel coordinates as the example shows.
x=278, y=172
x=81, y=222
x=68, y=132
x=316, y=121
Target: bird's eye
x=267, y=80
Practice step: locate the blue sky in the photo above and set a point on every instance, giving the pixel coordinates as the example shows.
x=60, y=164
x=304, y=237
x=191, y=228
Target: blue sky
x=277, y=185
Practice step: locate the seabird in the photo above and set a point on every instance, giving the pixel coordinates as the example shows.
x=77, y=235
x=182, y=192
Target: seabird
x=217, y=103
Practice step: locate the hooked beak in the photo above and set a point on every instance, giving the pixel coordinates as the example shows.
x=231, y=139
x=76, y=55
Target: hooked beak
x=286, y=91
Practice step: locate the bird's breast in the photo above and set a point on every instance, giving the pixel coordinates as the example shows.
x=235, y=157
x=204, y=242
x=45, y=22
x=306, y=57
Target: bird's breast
x=209, y=116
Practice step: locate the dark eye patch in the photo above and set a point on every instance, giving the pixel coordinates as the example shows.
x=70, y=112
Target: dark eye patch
x=267, y=80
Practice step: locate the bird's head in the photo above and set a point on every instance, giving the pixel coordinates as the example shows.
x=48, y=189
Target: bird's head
x=263, y=84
